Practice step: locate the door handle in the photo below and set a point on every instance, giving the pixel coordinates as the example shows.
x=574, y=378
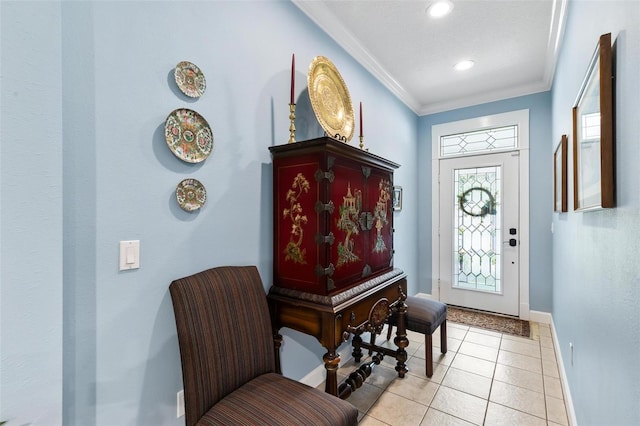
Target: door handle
x=512, y=242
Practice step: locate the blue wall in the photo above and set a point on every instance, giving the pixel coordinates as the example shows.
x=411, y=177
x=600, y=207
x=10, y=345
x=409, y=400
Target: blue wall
x=596, y=273
x=31, y=282
x=86, y=87
x=90, y=167
x=540, y=181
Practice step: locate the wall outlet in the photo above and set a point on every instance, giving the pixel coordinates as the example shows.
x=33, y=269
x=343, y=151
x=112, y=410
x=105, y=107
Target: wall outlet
x=571, y=352
x=180, y=404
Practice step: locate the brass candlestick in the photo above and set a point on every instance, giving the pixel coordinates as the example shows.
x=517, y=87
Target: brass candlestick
x=361, y=142
x=292, y=126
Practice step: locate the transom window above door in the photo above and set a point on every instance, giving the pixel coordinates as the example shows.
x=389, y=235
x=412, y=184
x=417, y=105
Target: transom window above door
x=479, y=141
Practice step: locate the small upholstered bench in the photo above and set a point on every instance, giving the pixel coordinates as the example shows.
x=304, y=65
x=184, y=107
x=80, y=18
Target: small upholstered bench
x=424, y=316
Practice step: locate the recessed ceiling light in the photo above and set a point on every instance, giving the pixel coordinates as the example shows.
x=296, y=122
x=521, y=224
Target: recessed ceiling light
x=440, y=8
x=464, y=65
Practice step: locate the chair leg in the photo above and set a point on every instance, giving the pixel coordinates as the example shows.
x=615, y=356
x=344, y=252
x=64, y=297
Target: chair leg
x=443, y=337
x=389, y=329
x=428, y=349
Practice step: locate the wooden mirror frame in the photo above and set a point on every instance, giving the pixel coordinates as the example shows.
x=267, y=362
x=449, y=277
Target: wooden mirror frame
x=560, y=162
x=593, y=188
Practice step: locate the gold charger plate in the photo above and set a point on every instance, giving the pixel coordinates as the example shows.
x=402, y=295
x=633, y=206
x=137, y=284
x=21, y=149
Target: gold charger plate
x=330, y=99
x=190, y=79
x=191, y=194
x=188, y=135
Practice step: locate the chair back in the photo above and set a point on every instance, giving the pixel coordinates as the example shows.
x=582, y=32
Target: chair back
x=224, y=333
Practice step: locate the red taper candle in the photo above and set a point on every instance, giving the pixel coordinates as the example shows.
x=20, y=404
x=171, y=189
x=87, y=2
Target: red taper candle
x=293, y=77
x=361, y=119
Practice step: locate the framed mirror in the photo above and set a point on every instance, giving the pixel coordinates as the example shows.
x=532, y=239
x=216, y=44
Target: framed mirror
x=593, y=144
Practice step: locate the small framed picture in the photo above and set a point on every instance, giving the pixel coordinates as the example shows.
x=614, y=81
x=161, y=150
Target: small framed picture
x=397, y=198
x=560, y=176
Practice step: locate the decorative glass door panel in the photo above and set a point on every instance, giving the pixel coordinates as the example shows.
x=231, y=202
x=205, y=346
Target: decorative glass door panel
x=477, y=245
x=479, y=210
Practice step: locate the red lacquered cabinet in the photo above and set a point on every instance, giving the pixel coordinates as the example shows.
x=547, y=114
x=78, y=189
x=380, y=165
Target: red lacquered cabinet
x=333, y=253
x=333, y=219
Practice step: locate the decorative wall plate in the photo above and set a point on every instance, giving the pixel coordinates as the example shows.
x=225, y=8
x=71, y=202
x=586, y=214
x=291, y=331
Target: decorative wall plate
x=330, y=99
x=190, y=79
x=188, y=135
x=191, y=194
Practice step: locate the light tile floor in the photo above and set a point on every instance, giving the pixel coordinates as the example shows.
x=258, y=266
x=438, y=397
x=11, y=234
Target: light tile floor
x=485, y=378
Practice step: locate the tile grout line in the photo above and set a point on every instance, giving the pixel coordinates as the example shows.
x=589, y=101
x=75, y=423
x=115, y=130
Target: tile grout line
x=448, y=368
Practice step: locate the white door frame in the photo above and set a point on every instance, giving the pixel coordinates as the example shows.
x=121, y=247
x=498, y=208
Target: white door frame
x=521, y=119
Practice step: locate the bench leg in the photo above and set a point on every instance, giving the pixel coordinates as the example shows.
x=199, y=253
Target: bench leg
x=428, y=349
x=443, y=337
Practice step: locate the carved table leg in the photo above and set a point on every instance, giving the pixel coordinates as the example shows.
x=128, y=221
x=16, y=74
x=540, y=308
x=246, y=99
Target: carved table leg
x=357, y=350
x=331, y=362
x=357, y=378
x=401, y=340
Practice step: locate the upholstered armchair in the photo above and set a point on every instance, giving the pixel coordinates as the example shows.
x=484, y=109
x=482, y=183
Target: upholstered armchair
x=228, y=357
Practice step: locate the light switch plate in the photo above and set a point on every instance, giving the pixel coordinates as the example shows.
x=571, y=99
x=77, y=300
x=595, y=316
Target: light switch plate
x=129, y=255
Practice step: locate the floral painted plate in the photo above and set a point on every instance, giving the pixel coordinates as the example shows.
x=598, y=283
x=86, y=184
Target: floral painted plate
x=188, y=135
x=191, y=195
x=190, y=79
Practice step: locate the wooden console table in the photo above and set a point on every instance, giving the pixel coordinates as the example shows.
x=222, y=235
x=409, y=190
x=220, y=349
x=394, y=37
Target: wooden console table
x=333, y=319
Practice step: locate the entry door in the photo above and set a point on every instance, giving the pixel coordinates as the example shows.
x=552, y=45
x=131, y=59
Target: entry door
x=479, y=232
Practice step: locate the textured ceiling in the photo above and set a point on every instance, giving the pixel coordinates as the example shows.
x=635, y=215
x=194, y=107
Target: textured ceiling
x=514, y=44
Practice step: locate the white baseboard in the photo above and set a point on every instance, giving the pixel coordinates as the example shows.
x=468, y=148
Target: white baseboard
x=318, y=374
x=571, y=413
x=541, y=317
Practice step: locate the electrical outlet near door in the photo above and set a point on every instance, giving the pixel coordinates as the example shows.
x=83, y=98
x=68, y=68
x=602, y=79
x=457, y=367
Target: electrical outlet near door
x=180, y=404
x=571, y=352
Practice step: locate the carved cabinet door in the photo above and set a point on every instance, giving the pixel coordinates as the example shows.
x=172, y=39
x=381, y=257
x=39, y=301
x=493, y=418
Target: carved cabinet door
x=347, y=192
x=380, y=227
x=297, y=224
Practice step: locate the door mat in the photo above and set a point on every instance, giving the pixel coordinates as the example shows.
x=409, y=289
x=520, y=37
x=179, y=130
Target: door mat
x=501, y=324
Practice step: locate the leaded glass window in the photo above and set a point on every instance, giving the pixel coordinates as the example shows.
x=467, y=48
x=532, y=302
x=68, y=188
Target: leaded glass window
x=479, y=141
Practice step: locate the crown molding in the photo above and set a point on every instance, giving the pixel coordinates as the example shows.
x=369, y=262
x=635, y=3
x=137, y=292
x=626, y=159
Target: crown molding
x=556, y=34
x=318, y=12
x=483, y=98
